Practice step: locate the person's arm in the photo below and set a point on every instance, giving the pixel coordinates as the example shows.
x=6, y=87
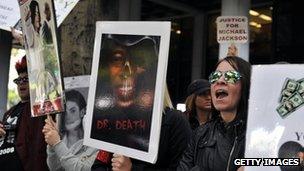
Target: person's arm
x=69, y=161
x=52, y=138
x=180, y=134
x=187, y=160
x=62, y=158
x=53, y=160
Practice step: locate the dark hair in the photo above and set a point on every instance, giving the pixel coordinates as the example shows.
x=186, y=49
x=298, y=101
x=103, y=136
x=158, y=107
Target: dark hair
x=33, y=6
x=244, y=68
x=141, y=46
x=21, y=66
x=77, y=97
x=191, y=110
x=290, y=149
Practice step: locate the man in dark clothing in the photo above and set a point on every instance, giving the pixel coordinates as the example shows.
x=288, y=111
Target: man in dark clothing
x=22, y=145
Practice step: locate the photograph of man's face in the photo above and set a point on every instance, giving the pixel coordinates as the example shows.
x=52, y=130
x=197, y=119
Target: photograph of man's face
x=125, y=86
x=126, y=61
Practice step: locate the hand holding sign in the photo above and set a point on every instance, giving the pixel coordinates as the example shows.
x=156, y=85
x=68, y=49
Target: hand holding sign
x=50, y=131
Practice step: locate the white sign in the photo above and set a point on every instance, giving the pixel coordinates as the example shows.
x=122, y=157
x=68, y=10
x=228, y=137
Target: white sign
x=9, y=14
x=46, y=89
x=76, y=82
x=275, y=116
x=127, y=88
x=76, y=95
x=63, y=8
x=232, y=29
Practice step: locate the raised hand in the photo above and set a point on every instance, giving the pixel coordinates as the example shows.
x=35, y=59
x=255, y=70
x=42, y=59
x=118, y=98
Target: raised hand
x=51, y=134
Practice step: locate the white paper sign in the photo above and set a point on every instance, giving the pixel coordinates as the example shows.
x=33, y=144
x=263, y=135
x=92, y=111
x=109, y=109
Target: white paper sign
x=275, y=117
x=232, y=29
x=9, y=14
x=63, y=8
x=127, y=88
x=76, y=82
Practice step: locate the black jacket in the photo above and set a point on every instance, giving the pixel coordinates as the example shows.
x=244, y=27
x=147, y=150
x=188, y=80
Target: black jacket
x=174, y=137
x=214, y=147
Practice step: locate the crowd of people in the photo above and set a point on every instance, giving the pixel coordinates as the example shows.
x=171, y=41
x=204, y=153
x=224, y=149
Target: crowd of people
x=216, y=113
x=208, y=136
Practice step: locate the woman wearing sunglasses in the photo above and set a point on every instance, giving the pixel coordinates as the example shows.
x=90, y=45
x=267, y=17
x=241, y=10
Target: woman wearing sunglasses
x=215, y=145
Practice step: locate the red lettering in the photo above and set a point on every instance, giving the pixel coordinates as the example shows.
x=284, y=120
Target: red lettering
x=101, y=124
x=130, y=124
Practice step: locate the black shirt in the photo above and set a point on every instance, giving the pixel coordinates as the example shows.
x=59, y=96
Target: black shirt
x=9, y=159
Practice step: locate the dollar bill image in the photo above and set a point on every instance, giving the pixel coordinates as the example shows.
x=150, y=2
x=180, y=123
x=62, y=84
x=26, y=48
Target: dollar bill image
x=291, y=85
x=282, y=110
x=301, y=86
x=285, y=95
x=296, y=99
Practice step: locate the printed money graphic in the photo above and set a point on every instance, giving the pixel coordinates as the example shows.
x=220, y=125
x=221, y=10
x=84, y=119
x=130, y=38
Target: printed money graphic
x=292, y=97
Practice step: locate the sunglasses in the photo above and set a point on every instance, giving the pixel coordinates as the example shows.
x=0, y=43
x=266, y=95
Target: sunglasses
x=229, y=76
x=21, y=80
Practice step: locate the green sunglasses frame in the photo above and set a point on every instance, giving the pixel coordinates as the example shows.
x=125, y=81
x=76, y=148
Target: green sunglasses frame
x=230, y=76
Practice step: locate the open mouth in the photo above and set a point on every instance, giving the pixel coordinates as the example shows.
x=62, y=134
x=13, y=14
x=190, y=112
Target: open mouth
x=125, y=90
x=126, y=87
x=221, y=93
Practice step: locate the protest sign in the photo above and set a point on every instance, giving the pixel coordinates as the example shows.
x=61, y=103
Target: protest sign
x=275, y=116
x=39, y=32
x=232, y=34
x=71, y=125
x=9, y=14
x=127, y=88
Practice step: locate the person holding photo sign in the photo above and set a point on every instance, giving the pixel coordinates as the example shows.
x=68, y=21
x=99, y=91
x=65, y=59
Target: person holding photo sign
x=68, y=152
x=215, y=145
x=22, y=145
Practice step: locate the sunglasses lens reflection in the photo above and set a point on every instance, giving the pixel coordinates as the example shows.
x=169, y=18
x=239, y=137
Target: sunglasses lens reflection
x=229, y=76
x=21, y=80
x=214, y=76
x=232, y=76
